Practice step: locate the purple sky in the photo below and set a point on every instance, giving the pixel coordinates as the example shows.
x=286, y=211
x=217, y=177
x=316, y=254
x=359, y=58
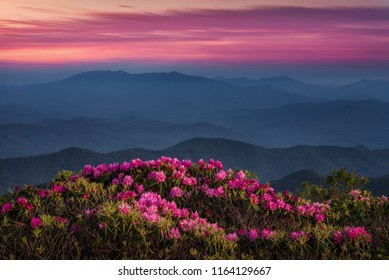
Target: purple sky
x=42, y=40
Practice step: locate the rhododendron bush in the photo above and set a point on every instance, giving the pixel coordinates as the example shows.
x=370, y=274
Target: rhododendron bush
x=172, y=209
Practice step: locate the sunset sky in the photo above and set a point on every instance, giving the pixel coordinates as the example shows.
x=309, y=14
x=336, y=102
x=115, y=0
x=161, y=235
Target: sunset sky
x=320, y=41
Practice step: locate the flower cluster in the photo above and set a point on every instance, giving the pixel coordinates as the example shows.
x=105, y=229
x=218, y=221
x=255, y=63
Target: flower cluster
x=358, y=196
x=182, y=201
x=296, y=235
x=356, y=233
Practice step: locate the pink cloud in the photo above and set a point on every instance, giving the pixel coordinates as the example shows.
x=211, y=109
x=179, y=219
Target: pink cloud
x=262, y=34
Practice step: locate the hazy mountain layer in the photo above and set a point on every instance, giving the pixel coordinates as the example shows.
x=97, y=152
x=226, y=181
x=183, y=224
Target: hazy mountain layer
x=171, y=96
x=101, y=135
x=364, y=89
x=269, y=164
x=338, y=123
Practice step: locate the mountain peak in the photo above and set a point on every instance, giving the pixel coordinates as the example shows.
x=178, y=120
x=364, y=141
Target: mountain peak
x=98, y=75
x=176, y=73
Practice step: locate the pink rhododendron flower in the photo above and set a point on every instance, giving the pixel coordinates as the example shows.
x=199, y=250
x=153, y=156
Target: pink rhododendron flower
x=177, y=174
x=170, y=207
x=297, y=234
x=253, y=186
x=175, y=192
x=240, y=175
x=271, y=205
x=43, y=193
x=124, y=208
x=135, y=163
x=300, y=210
x=22, y=201
x=338, y=237
x=252, y=234
x=7, y=207
x=158, y=176
x=89, y=213
x=126, y=166
x=115, y=182
x=74, y=178
x=125, y=195
x=152, y=217
x=88, y=170
x=319, y=218
x=174, y=234
x=266, y=197
x=356, y=194
x=357, y=232
x=232, y=237
x=219, y=191
x=221, y=175
x=187, y=163
x=127, y=181
x=266, y=233
x=184, y=213
x=59, y=189
x=187, y=225
x=207, y=190
x=149, y=199
x=29, y=207
x=382, y=200
x=101, y=168
x=189, y=181
x=242, y=231
x=113, y=167
x=254, y=199
x=194, y=215
x=218, y=164
x=139, y=188
x=36, y=222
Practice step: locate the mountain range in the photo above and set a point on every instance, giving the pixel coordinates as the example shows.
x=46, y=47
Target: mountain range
x=359, y=90
x=169, y=96
x=337, y=123
x=267, y=164
x=283, y=125
x=101, y=135
x=173, y=95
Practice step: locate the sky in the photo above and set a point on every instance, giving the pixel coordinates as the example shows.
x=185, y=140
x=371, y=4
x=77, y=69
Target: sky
x=318, y=41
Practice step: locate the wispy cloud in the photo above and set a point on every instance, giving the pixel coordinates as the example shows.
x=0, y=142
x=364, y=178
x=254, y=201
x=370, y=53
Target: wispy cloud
x=259, y=34
x=126, y=6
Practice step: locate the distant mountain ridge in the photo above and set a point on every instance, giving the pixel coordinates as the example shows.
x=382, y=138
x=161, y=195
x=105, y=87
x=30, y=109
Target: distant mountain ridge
x=335, y=123
x=101, y=135
x=281, y=82
x=165, y=95
x=338, y=123
x=359, y=90
x=268, y=164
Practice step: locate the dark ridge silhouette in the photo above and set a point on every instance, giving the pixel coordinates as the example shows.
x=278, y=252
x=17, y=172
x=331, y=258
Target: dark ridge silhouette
x=268, y=164
x=164, y=95
x=101, y=135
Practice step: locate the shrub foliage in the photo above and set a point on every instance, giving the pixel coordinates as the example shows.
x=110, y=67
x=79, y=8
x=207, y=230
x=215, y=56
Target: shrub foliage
x=171, y=209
